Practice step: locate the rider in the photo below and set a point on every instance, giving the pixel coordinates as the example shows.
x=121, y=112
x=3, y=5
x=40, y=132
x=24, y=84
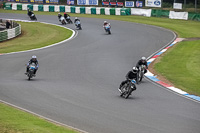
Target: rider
x=66, y=15
x=29, y=12
x=142, y=62
x=130, y=76
x=76, y=19
x=106, y=23
x=32, y=60
x=59, y=16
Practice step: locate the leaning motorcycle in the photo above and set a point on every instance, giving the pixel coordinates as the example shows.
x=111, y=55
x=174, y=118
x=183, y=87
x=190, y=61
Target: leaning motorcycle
x=141, y=72
x=127, y=89
x=31, y=70
x=107, y=29
x=33, y=17
x=78, y=25
x=69, y=21
x=62, y=20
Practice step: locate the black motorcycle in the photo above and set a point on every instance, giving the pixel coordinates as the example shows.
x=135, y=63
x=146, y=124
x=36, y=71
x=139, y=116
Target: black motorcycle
x=127, y=88
x=33, y=17
x=31, y=70
x=69, y=21
x=62, y=20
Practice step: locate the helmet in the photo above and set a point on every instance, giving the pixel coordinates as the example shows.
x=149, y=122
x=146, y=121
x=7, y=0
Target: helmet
x=105, y=22
x=58, y=13
x=34, y=57
x=143, y=58
x=64, y=12
x=76, y=18
x=135, y=69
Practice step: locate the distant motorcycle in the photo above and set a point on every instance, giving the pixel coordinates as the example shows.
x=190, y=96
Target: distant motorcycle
x=62, y=20
x=127, y=89
x=69, y=21
x=141, y=72
x=78, y=25
x=107, y=29
x=31, y=70
x=33, y=17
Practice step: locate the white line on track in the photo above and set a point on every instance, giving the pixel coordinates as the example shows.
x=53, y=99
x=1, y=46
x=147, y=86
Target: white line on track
x=74, y=34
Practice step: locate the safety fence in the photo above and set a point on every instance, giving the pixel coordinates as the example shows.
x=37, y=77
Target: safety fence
x=10, y=33
x=105, y=11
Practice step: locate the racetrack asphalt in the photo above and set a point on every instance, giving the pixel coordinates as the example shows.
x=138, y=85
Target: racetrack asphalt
x=77, y=81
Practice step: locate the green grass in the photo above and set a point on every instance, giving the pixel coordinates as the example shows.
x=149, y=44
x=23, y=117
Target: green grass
x=180, y=65
x=185, y=29
x=16, y=121
x=35, y=35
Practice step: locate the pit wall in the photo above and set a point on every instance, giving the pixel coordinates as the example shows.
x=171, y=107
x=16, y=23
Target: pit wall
x=10, y=33
x=105, y=11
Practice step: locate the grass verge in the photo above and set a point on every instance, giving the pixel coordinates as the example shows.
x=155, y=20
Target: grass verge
x=16, y=121
x=180, y=65
x=35, y=35
x=182, y=71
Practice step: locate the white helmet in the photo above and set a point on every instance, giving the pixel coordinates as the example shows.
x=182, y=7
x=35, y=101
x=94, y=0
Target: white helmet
x=76, y=18
x=105, y=21
x=34, y=57
x=135, y=69
x=143, y=58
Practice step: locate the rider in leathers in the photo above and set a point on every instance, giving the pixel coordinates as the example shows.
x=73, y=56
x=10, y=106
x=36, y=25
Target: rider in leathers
x=130, y=76
x=142, y=62
x=32, y=60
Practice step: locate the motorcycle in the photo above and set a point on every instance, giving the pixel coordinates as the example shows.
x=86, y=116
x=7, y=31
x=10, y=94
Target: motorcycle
x=78, y=25
x=69, y=21
x=107, y=29
x=33, y=17
x=32, y=68
x=127, y=89
x=141, y=72
x=62, y=20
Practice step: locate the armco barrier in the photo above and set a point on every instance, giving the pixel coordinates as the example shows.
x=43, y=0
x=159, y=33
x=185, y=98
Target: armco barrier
x=104, y=11
x=10, y=33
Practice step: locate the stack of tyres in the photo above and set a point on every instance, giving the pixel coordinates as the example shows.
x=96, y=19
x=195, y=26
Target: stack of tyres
x=8, y=6
x=82, y=10
x=73, y=9
x=19, y=6
x=30, y=6
x=62, y=8
x=93, y=10
x=102, y=11
x=51, y=8
x=40, y=8
x=3, y=36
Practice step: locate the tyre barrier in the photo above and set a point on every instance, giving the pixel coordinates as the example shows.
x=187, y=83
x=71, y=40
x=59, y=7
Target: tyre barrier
x=105, y=11
x=10, y=33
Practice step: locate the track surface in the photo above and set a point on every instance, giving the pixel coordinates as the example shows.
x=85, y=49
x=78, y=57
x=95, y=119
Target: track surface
x=77, y=82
